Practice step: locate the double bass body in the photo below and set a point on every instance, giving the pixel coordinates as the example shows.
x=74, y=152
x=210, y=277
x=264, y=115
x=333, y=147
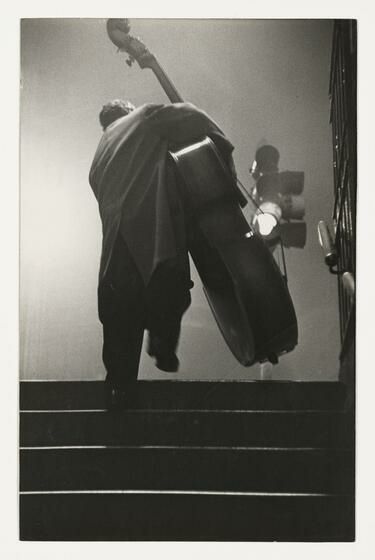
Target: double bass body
x=245, y=289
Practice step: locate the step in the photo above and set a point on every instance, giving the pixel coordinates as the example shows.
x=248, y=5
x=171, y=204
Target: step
x=151, y=516
x=273, y=395
x=155, y=427
x=187, y=468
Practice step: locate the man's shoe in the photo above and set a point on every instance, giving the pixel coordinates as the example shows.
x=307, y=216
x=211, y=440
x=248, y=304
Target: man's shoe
x=166, y=361
x=169, y=363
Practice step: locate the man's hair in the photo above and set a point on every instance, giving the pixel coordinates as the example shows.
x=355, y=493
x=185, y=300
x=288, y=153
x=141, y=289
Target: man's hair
x=114, y=110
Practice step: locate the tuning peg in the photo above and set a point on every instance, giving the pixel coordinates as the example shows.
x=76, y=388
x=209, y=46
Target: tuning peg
x=130, y=60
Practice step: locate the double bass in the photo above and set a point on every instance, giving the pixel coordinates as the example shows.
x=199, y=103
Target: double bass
x=245, y=289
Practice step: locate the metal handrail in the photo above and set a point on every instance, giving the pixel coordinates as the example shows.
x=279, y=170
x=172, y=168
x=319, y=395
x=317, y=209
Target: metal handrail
x=342, y=92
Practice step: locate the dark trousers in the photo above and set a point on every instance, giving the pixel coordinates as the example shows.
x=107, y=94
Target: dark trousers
x=127, y=307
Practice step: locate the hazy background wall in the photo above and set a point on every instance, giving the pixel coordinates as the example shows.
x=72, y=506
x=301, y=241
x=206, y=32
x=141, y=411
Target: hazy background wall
x=261, y=80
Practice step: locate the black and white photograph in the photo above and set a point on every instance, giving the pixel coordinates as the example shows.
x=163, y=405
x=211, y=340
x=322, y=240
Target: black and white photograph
x=187, y=292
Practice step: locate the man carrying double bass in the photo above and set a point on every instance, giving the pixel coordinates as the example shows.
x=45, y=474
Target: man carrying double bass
x=144, y=278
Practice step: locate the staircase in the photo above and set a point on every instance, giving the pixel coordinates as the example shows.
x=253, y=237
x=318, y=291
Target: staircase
x=243, y=461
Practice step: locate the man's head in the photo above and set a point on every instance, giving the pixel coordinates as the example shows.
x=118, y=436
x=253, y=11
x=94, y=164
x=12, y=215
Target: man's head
x=114, y=110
